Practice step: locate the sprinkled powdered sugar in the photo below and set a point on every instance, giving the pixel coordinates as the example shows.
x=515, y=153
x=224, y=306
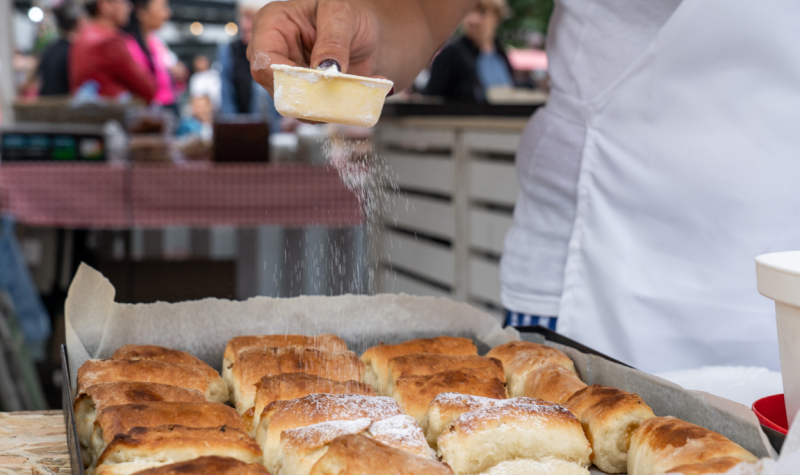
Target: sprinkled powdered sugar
x=529, y=414
x=472, y=403
x=402, y=432
x=317, y=435
x=330, y=407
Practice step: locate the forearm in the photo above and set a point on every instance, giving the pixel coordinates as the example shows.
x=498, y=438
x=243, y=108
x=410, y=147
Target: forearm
x=411, y=31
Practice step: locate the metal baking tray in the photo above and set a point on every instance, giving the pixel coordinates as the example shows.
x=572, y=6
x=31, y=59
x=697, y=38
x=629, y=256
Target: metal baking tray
x=775, y=438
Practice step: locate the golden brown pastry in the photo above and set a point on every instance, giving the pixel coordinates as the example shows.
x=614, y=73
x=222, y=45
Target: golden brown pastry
x=552, y=382
x=609, y=418
x=325, y=342
x=103, y=395
x=664, y=443
x=481, y=439
x=141, y=447
x=305, y=411
x=301, y=448
x=521, y=357
x=713, y=466
x=211, y=465
x=447, y=407
x=165, y=355
x=415, y=393
x=150, y=371
x=282, y=387
x=421, y=364
x=252, y=365
x=355, y=454
x=121, y=419
x=546, y=466
x=376, y=359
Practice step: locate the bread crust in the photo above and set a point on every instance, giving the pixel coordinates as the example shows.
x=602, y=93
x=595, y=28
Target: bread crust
x=207, y=466
x=478, y=440
x=148, y=371
x=286, y=386
x=326, y=342
x=314, y=409
x=521, y=357
x=663, y=443
x=447, y=407
x=252, y=365
x=376, y=359
x=121, y=419
x=103, y=395
x=713, y=466
x=552, y=382
x=415, y=393
x=421, y=364
x=175, y=443
x=356, y=454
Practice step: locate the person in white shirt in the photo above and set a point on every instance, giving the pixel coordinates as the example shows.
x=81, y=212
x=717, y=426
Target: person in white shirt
x=205, y=81
x=663, y=162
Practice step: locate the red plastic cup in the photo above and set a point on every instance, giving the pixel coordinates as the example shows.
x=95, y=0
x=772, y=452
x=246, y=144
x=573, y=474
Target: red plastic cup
x=771, y=412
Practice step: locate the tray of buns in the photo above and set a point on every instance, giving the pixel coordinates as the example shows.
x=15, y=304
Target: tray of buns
x=381, y=384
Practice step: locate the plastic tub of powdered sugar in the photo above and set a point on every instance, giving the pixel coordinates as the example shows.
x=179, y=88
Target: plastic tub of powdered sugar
x=329, y=96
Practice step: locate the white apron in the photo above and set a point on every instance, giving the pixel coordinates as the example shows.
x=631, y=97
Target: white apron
x=690, y=168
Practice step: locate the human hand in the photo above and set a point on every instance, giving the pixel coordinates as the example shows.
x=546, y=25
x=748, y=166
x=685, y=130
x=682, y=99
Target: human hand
x=307, y=32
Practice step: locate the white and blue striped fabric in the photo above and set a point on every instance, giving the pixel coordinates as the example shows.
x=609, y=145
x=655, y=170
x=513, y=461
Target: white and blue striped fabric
x=516, y=319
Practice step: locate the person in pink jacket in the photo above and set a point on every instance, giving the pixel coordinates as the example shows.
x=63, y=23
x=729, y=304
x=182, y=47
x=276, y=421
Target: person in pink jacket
x=147, y=49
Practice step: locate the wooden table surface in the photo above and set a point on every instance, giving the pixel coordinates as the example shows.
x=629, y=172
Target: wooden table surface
x=33, y=443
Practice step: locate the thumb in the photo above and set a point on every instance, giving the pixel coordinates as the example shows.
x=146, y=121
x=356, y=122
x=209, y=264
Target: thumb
x=336, y=29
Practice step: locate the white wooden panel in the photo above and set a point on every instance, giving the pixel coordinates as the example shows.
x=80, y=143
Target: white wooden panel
x=492, y=142
x=487, y=229
x=424, y=215
x=433, y=261
x=417, y=138
x=394, y=283
x=432, y=173
x=484, y=279
x=493, y=182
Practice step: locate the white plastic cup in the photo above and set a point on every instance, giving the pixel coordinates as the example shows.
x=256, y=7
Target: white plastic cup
x=778, y=277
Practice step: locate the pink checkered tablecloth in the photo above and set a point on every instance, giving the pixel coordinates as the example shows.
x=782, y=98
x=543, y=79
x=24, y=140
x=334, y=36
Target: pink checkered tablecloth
x=199, y=195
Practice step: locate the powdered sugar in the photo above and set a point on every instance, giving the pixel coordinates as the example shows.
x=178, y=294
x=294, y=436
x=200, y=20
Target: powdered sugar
x=331, y=407
x=402, y=432
x=528, y=414
x=261, y=60
x=473, y=403
x=318, y=435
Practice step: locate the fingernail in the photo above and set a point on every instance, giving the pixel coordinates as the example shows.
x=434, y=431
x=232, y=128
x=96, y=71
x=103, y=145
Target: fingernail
x=328, y=63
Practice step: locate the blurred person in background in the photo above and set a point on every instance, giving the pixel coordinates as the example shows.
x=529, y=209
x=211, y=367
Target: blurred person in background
x=53, y=70
x=99, y=54
x=240, y=93
x=205, y=81
x=465, y=69
x=147, y=50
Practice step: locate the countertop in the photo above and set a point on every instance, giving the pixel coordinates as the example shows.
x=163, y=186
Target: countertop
x=33, y=443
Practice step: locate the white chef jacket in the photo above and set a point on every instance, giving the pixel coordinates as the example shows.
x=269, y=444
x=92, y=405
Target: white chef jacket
x=662, y=164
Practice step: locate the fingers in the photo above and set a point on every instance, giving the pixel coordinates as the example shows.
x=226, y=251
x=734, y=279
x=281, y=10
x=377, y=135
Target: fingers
x=278, y=31
x=336, y=28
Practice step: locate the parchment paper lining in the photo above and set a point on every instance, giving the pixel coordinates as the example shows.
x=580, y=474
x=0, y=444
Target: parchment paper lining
x=96, y=326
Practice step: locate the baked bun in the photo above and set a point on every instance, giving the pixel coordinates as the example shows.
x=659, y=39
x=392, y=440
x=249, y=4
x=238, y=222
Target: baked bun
x=713, y=466
x=664, y=443
x=141, y=447
x=355, y=454
x=552, y=382
x=100, y=396
x=609, y=418
x=301, y=448
x=236, y=345
x=150, y=371
x=479, y=440
x=165, y=355
x=211, y=465
x=548, y=466
x=376, y=359
x=121, y=419
x=252, y=365
x=421, y=364
x=521, y=357
x=415, y=393
x=282, y=387
x=305, y=411
x=447, y=407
